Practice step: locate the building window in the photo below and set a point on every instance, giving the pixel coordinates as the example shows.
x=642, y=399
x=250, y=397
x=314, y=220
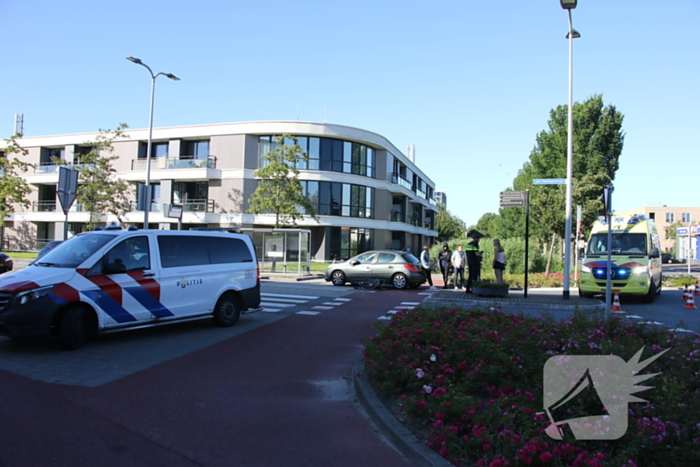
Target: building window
x=157, y=150
x=346, y=242
x=340, y=199
x=192, y=149
x=685, y=217
x=670, y=218
x=332, y=155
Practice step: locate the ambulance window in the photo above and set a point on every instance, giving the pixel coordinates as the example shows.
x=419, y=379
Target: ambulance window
x=228, y=250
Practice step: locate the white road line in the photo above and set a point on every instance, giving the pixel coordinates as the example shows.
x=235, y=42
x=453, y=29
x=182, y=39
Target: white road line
x=426, y=293
x=681, y=330
x=308, y=297
x=384, y=317
x=271, y=310
x=404, y=307
x=308, y=312
x=410, y=303
x=343, y=299
x=289, y=300
x=651, y=321
x=633, y=317
x=333, y=303
x=283, y=305
x=322, y=308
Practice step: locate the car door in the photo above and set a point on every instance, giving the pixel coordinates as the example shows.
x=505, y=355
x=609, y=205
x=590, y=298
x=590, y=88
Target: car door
x=385, y=267
x=360, y=267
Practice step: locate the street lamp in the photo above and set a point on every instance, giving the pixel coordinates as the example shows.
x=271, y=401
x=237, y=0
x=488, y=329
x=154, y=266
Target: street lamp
x=150, y=134
x=569, y=5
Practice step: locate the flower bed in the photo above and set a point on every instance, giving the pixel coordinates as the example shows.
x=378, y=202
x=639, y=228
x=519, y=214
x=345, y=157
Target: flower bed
x=472, y=380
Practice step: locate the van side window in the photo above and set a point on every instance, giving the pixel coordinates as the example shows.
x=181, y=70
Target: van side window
x=228, y=250
x=177, y=251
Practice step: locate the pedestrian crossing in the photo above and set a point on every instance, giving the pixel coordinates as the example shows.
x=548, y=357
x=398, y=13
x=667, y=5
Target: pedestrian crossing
x=275, y=303
x=404, y=306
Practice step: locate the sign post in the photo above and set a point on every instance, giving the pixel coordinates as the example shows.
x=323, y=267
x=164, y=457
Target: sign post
x=519, y=199
x=175, y=211
x=67, y=191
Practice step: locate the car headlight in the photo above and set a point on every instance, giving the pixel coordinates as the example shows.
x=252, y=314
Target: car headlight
x=585, y=269
x=30, y=295
x=640, y=270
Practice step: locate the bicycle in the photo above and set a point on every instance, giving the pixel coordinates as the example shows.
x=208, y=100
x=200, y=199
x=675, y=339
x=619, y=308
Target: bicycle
x=368, y=285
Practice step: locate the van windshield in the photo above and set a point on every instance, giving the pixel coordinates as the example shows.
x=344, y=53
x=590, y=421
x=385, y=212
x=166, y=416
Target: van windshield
x=622, y=244
x=73, y=251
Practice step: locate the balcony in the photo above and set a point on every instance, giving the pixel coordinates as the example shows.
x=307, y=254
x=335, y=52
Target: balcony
x=44, y=206
x=194, y=205
x=399, y=180
x=184, y=162
x=46, y=168
x=397, y=216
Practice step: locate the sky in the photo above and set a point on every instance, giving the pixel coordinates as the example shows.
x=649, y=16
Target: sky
x=469, y=83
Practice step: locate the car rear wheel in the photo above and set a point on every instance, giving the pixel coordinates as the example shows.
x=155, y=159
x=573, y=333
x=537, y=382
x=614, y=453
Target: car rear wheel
x=227, y=310
x=338, y=278
x=400, y=281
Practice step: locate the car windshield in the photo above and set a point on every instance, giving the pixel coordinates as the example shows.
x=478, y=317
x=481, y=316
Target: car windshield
x=74, y=251
x=622, y=244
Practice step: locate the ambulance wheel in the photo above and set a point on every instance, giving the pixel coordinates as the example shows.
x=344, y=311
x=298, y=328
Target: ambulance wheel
x=651, y=295
x=227, y=310
x=74, y=329
x=584, y=294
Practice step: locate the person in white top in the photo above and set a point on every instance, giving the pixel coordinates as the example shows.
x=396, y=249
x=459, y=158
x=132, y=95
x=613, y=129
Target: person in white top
x=499, y=260
x=459, y=261
x=427, y=267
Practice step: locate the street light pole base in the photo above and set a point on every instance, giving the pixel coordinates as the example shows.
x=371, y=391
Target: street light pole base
x=566, y=295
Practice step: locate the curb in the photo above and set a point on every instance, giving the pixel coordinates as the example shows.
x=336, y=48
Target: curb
x=398, y=435
x=504, y=305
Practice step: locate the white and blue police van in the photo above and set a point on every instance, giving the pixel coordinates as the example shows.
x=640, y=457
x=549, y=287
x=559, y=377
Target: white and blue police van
x=114, y=280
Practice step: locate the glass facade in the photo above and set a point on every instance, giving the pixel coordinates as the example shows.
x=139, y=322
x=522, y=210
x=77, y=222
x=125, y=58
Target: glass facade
x=346, y=242
x=333, y=155
x=340, y=199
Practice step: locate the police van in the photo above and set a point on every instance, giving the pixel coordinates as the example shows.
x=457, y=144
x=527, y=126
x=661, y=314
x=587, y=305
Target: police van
x=635, y=266
x=114, y=280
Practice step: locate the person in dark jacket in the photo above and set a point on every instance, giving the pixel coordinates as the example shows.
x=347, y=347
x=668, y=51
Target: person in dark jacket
x=445, y=259
x=473, y=262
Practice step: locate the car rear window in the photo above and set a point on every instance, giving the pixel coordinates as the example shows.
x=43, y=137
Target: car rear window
x=409, y=258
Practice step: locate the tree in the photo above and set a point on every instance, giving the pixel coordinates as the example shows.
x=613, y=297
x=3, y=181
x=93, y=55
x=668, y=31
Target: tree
x=99, y=190
x=447, y=225
x=279, y=190
x=13, y=187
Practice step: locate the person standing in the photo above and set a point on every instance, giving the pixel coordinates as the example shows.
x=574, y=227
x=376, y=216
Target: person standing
x=445, y=258
x=459, y=261
x=473, y=262
x=499, y=260
x=427, y=267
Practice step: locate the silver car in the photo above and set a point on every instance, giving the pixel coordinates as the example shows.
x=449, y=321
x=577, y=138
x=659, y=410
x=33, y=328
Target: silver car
x=397, y=268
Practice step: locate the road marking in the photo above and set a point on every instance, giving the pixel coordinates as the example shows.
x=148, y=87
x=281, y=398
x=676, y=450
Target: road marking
x=384, y=317
x=651, y=321
x=343, y=299
x=271, y=310
x=404, y=307
x=632, y=317
x=333, y=303
x=282, y=305
x=289, y=300
x=308, y=312
x=681, y=330
x=308, y=297
x=410, y=303
x=322, y=308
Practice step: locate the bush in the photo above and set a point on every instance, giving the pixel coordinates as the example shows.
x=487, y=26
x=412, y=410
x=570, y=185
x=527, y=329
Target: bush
x=471, y=381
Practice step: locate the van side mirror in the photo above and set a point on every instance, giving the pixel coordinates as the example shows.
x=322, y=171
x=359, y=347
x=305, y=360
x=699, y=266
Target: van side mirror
x=654, y=253
x=114, y=268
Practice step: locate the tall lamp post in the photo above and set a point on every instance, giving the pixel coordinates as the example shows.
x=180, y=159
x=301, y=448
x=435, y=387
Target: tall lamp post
x=569, y=5
x=147, y=203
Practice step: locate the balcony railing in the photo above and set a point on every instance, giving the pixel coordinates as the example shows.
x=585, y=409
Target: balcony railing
x=46, y=168
x=44, y=206
x=397, y=216
x=399, y=180
x=194, y=205
x=184, y=162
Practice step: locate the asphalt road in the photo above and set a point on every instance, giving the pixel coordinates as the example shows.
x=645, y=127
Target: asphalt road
x=274, y=393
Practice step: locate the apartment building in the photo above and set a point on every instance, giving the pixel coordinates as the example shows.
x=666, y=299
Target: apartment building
x=367, y=193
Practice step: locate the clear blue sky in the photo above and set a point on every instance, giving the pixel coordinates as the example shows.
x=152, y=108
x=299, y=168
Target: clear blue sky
x=469, y=83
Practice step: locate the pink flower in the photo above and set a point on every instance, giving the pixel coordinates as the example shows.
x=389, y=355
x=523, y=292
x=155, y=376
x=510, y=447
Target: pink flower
x=419, y=373
x=545, y=457
x=496, y=463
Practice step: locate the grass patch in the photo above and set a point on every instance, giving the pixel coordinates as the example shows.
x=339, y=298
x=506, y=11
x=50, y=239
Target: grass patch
x=21, y=254
x=472, y=382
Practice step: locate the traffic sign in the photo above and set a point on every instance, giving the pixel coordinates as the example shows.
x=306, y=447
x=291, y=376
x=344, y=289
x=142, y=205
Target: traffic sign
x=513, y=199
x=549, y=181
x=67, y=189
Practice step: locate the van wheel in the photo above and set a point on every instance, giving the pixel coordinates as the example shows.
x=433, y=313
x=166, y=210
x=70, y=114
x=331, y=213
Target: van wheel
x=227, y=310
x=74, y=329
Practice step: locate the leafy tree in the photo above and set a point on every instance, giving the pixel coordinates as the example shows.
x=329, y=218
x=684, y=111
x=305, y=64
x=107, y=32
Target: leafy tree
x=99, y=190
x=447, y=225
x=670, y=229
x=13, y=187
x=279, y=191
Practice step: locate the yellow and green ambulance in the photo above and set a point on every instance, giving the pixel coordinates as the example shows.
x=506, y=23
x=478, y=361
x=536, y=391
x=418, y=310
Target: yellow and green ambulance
x=635, y=258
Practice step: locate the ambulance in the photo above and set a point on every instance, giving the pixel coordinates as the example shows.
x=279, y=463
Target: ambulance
x=115, y=280
x=635, y=258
